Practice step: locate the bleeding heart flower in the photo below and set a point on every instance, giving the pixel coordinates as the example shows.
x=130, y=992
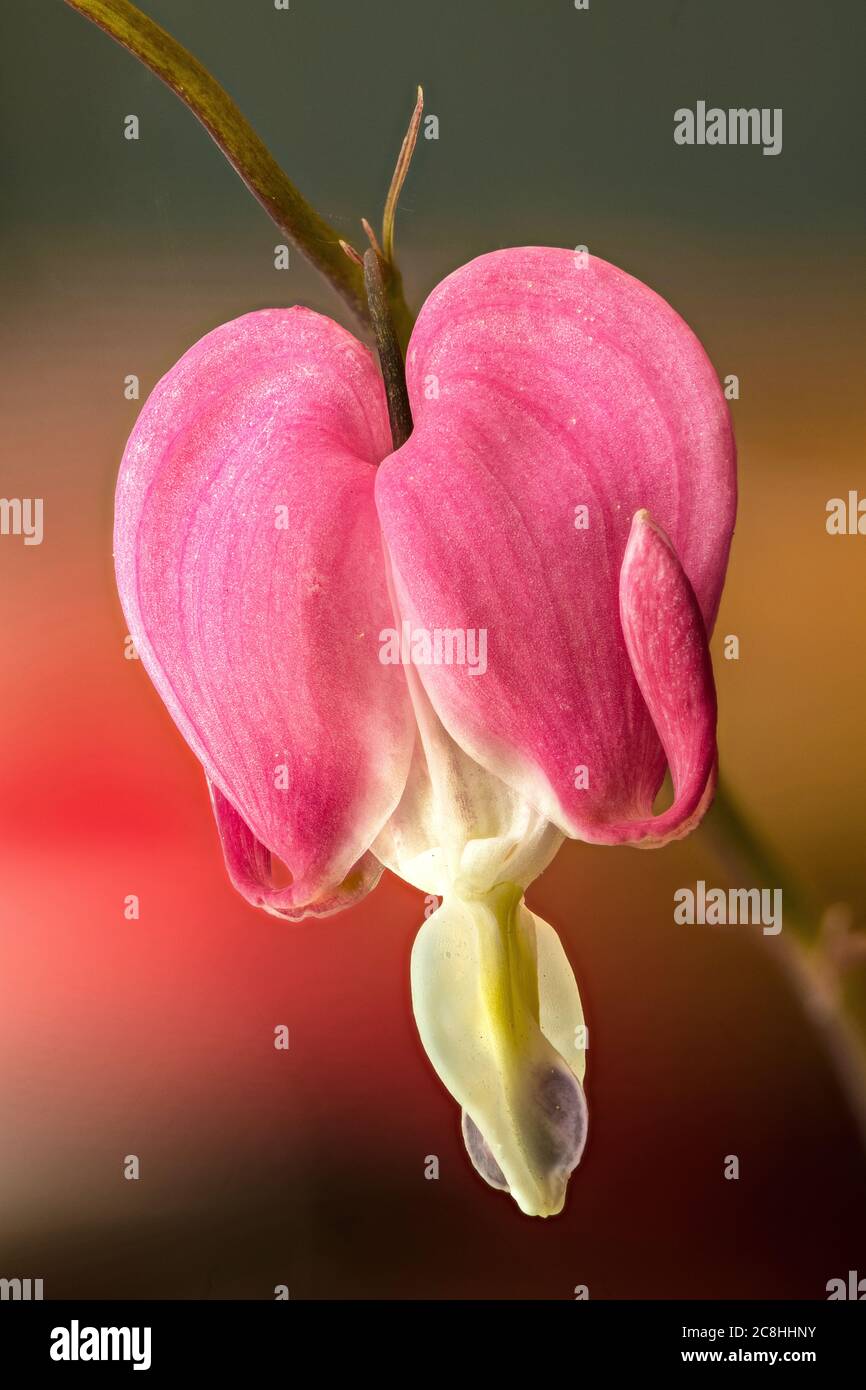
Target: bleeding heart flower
x=569, y=492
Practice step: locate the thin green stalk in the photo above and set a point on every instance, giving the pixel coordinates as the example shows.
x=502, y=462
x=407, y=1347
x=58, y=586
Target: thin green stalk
x=822, y=957
x=388, y=347
x=751, y=863
x=237, y=139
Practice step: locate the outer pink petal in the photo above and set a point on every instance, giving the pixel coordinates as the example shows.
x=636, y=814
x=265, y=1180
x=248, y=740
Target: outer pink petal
x=250, y=569
x=540, y=385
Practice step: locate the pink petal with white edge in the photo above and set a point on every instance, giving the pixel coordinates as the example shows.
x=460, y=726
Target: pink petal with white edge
x=541, y=385
x=250, y=568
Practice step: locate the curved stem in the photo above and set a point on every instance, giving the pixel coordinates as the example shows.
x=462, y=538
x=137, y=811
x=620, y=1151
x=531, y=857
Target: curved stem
x=237, y=139
x=747, y=859
x=819, y=953
x=840, y=1026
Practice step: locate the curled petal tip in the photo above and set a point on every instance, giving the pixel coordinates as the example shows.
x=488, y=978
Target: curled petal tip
x=250, y=868
x=669, y=653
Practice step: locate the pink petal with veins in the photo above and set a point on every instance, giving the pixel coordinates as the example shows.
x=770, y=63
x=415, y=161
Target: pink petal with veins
x=249, y=564
x=540, y=386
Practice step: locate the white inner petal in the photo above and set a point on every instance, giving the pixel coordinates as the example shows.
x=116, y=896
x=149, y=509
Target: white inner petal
x=499, y=1015
x=458, y=827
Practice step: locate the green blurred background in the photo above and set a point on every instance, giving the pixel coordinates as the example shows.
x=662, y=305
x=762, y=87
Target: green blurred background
x=155, y=1038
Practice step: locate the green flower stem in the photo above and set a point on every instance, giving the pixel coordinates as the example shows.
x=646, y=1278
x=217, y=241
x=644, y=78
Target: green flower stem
x=750, y=863
x=835, y=1006
x=242, y=147
x=823, y=959
x=388, y=347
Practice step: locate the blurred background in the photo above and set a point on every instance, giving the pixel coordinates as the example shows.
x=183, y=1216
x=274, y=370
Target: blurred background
x=155, y=1037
